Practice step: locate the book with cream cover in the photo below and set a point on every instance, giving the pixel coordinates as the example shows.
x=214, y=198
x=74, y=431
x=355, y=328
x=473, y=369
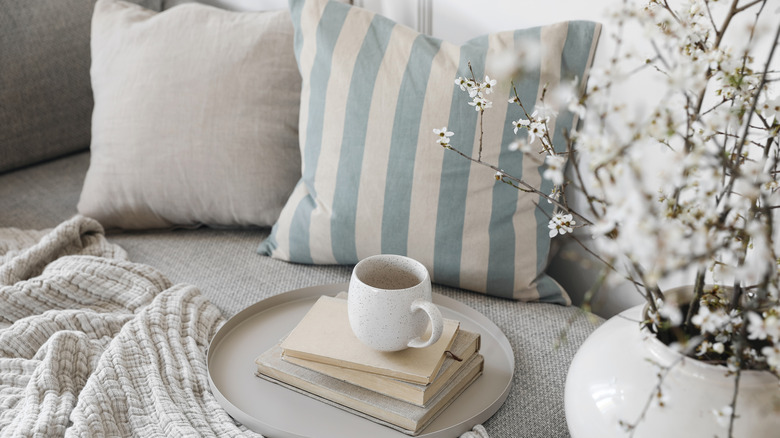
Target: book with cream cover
x=465, y=345
x=324, y=335
x=402, y=416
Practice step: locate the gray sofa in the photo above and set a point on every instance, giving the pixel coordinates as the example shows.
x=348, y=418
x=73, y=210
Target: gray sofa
x=42, y=180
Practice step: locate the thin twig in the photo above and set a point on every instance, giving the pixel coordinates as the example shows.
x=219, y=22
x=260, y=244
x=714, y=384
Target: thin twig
x=526, y=186
x=655, y=394
x=749, y=5
x=574, y=162
x=709, y=15
x=733, y=415
x=730, y=183
x=698, y=291
x=481, y=116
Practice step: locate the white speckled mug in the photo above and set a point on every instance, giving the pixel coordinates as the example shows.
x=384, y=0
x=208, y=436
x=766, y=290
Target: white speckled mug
x=389, y=303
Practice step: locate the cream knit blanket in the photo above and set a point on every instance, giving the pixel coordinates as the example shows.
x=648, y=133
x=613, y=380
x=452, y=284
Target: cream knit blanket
x=94, y=345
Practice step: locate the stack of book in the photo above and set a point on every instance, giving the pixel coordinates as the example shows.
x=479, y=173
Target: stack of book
x=404, y=390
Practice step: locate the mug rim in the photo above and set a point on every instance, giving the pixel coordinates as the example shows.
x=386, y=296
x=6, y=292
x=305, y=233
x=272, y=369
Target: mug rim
x=419, y=269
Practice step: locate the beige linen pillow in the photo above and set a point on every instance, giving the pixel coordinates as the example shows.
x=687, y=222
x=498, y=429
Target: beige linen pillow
x=195, y=119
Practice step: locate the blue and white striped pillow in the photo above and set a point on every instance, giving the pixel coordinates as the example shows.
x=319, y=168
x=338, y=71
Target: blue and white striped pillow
x=374, y=178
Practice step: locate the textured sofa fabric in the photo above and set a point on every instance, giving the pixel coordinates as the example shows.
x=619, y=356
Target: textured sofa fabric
x=45, y=93
x=224, y=265
x=45, y=107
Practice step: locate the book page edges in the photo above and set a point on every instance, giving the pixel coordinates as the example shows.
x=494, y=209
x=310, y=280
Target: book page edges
x=400, y=415
x=465, y=345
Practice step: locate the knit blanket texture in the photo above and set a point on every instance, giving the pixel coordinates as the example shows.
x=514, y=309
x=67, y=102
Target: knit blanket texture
x=93, y=345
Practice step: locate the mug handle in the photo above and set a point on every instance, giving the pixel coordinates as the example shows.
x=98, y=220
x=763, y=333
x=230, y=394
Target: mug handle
x=437, y=323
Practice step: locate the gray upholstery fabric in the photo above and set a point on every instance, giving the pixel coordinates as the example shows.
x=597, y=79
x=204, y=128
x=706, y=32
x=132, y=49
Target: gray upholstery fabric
x=45, y=94
x=224, y=265
x=42, y=196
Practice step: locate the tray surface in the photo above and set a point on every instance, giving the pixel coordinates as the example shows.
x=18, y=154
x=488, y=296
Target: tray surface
x=275, y=411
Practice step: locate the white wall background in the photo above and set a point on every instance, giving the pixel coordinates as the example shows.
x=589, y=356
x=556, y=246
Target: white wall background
x=459, y=20
x=406, y=12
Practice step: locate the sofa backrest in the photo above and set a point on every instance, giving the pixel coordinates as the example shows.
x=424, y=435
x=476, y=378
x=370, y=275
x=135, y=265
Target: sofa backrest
x=456, y=21
x=45, y=93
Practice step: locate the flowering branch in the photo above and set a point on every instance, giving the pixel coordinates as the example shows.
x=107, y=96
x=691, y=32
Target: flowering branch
x=656, y=395
x=708, y=209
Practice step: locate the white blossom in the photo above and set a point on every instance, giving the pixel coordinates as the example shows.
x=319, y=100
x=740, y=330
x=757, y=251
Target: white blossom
x=763, y=327
x=723, y=415
x=520, y=124
x=555, y=194
x=769, y=108
x=536, y=129
x=513, y=61
x=544, y=112
x=480, y=104
x=566, y=95
x=561, y=224
x=463, y=83
x=708, y=321
x=555, y=167
x=671, y=312
x=772, y=355
x=488, y=85
x=519, y=145
x=577, y=107
x=732, y=364
x=536, y=124
x=443, y=136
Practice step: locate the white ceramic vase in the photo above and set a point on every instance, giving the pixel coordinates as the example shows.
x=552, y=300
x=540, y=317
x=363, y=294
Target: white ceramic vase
x=615, y=373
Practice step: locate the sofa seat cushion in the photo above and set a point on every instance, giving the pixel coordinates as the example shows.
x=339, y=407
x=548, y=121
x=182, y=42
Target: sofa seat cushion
x=221, y=264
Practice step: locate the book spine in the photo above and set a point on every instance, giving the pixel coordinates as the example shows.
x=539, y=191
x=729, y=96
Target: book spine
x=410, y=425
x=326, y=394
x=413, y=378
x=408, y=392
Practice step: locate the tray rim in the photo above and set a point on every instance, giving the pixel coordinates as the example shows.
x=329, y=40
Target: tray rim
x=308, y=293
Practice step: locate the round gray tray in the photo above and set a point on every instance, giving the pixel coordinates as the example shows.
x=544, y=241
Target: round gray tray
x=276, y=411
